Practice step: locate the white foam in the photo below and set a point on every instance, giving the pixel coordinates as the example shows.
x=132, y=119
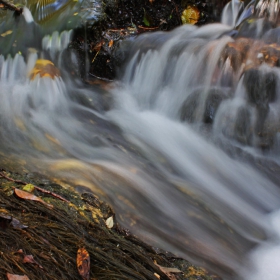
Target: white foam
x=266, y=257
x=56, y=42
x=27, y=15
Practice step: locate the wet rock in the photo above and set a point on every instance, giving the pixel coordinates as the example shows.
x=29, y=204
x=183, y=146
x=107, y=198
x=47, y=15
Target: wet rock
x=272, y=36
x=266, y=131
x=252, y=126
x=189, y=107
x=243, y=131
x=254, y=28
x=213, y=102
x=236, y=52
x=246, y=53
x=261, y=87
x=265, y=142
x=191, y=112
x=93, y=96
x=270, y=55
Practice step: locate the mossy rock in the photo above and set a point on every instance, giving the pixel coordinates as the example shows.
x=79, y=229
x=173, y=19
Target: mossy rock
x=53, y=235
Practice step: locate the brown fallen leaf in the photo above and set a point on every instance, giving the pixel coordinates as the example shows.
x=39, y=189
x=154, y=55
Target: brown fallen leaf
x=30, y=259
x=98, y=46
x=83, y=263
x=16, y=277
x=29, y=196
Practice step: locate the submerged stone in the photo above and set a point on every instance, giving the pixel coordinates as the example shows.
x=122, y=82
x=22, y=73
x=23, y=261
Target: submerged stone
x=261, y=87
x=213, y=102
x=243, y=131
x=272, y=36
x=190, y=110
x=254, y=28
x=189, y=107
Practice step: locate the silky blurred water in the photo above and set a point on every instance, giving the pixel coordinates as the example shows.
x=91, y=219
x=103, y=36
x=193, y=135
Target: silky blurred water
x=185, y=185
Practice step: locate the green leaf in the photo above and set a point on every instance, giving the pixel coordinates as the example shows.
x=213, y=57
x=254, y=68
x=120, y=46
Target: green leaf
x=145, y=19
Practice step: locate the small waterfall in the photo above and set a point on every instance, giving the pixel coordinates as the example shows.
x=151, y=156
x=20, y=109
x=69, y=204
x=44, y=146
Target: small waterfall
x=185, y=145
x=231, y=12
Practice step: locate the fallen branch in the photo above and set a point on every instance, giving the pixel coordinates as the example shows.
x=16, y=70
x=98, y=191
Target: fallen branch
x=11, y=7
x=37, y=188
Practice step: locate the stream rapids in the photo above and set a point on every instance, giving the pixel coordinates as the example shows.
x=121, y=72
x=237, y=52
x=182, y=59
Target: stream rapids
x=185, y=145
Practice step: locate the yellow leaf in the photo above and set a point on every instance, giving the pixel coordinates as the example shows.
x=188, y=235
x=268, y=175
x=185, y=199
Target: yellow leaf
x=190, y=15
x=29, y=188
x=6, y=33
x=44, y=68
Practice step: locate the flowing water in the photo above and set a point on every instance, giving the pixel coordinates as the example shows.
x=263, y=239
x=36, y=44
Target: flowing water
x=184, y=145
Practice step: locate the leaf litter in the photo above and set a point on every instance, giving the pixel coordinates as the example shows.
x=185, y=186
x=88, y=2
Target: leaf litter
x=54, y=236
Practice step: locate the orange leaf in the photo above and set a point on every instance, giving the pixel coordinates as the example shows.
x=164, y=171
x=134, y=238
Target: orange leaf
x=16, y=277
x=44, y=68
x=29, y=196
x=98, y=46
x=83, y=263
x=111, y=43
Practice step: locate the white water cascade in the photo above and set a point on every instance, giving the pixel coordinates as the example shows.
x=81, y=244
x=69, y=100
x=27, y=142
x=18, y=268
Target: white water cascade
x=187, y=155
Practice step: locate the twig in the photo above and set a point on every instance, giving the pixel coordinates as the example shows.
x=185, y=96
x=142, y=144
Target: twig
x=11, y=179
x=95, y=56
x=11, y=7
x=37, y=188
x=52, y=194
x=147, y=28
